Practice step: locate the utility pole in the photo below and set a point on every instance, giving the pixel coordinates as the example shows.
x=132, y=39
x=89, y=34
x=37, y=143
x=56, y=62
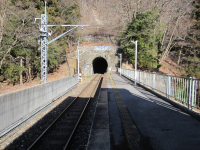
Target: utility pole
x=78, y=59
x=120, y=64
x=135, y=61
x=44, y=42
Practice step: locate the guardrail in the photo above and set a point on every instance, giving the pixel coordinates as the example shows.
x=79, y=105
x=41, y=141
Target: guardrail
x=184, y=90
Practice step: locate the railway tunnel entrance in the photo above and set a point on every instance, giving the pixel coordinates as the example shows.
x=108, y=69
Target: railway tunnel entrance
x=100, y=65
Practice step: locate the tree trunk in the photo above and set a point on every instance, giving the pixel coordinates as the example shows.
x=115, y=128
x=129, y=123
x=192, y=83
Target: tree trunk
x=8, y=51
x=21, y=82
x=170, y=42
x=179, y=57
x=126, y=64
x=2, y=19
x=29, y=73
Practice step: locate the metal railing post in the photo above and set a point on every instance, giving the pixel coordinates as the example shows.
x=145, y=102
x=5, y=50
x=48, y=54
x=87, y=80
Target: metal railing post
x=154, y=80
x=198, y=93
x=132, y=75
x=139, y=76
x=193, y=93
x=169, y=83
x=78, y=61
x=168, y=86
x=189, y=92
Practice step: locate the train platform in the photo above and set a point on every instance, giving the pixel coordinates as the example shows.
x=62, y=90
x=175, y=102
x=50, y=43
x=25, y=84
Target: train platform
x=100, y=133
x=141, y=120
x=126, y=117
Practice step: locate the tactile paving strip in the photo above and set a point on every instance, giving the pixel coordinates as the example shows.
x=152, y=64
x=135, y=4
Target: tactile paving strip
x=132, y=133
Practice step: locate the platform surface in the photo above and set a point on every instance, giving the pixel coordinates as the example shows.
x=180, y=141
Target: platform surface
x=100, y=133
x=162, y=126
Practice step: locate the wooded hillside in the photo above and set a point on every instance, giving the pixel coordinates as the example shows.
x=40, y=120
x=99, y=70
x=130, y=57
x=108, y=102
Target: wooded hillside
x=19, y=53
x=173, y=33
x=163, y=28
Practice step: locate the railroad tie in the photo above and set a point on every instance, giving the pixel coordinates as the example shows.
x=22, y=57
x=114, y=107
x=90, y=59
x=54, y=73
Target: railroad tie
x=131, y=131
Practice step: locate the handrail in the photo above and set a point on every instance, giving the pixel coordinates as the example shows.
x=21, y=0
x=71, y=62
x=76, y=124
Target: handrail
x=183, y=90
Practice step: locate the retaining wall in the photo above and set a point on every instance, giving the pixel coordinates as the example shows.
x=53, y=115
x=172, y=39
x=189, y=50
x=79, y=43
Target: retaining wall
x=16, y=105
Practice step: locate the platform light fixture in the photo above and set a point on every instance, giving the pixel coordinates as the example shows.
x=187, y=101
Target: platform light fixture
x=120, y=64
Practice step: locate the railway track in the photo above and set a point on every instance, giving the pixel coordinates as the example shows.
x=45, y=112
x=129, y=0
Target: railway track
x=59, y=133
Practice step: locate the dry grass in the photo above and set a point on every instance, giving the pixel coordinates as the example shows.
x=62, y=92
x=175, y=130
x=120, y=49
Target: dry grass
x=171, y=68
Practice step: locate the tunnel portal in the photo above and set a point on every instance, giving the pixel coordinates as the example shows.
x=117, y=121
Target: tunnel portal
x=100, y=65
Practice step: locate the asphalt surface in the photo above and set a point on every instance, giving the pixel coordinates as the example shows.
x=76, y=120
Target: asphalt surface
x=161, y=125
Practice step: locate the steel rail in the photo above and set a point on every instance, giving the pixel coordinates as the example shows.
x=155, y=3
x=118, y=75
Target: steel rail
x=92, y=94
x=35, y=143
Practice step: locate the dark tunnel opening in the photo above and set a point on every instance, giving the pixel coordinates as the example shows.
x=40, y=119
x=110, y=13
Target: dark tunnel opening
x=100, y=65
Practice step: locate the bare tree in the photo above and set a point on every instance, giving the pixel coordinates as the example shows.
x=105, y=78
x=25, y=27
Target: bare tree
x=2, y=17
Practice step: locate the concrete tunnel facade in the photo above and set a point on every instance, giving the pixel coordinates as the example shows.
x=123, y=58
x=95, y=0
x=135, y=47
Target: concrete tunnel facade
x=97, y=61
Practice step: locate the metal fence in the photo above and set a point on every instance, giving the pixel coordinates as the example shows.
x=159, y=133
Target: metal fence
x=184, y=90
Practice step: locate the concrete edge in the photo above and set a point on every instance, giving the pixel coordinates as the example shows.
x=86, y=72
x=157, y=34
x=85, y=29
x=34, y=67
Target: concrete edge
x=176, y=104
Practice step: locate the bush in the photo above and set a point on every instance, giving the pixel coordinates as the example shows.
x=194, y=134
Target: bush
x=145, y=28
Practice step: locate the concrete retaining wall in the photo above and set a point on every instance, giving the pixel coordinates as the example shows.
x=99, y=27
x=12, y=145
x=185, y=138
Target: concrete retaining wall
x=14, y=106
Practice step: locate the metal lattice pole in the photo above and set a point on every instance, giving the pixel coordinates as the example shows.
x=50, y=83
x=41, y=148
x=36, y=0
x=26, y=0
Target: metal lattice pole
x=45, y=42
x=44, y=47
